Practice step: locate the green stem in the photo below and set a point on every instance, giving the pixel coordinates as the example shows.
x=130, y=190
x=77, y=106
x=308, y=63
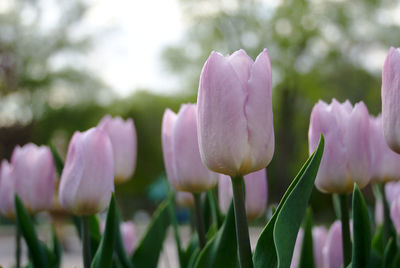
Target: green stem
x=86, y=251
x=175, y=226
x=213, y=206
x=387, y=222
x=242, y=230
x=199, y=220
x=346, y=242
x=17, y=247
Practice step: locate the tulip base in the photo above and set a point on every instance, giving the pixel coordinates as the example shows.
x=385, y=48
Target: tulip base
x=86, y=251
x=242, y=229
x=344, y=217
x=199, y=220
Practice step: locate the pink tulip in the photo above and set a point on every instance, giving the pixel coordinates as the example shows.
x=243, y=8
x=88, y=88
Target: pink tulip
x=129, y=236
x=168, y=123
x=256, y=193
x=319, y=234
x=332, y=251
x=346, y=159
x=391, y=99
x=395, y=214
x=385, y=163
x=184, y=199
x=34, y=174
x=87, y=180
x=392, y=191
x=123, y=138
x=235, y=124
x=181, y=152
x=7, y=190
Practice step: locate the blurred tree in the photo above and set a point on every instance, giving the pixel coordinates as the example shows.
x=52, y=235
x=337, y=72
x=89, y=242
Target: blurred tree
x=318, y=49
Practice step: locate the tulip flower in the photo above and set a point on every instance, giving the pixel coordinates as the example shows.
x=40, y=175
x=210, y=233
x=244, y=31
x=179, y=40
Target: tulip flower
x=87, y=180
x=123, y=138
x=391, y=99
x=392, y=191
x=181, y=152
x=184, y=199
x=129, y=236
x=256, y=193
x=319, y=234
x=235, y=121
x=395, y=214
x=7, y=190
x=385, y=163
x=332, y=251
x=34, y=174
x=346, y=159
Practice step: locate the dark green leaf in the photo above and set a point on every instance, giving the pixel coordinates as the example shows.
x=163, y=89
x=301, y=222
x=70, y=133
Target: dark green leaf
x=307, y=251
x=149, y=249
x=298, y=193
x=221, y=250
x=36, y=251
x=124, y=260
x=361, y=231
x=59, y=163
x=103, y=257
x=56, y=248
x=389, y=254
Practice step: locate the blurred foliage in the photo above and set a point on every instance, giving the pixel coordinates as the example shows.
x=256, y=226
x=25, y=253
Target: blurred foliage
x=319, y=49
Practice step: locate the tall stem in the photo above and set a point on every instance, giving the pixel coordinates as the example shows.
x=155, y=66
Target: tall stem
x=86, y=252
x=387, y=222
x=344, y=217
x=199, y=220
x=17, y=247
x=213, y=207
x=242, y=229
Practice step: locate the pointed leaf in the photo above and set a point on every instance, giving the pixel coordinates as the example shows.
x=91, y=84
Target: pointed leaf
x=58, y=162
x=148, y=251
x=298, y=193
x=36, y=251
x=389, y=254
x=307, y=251
x=56, y=248
x=103, y=257
x=361, y=231
x=221, y=250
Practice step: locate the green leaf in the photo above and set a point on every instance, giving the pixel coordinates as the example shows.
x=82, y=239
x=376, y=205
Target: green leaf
x=389, y=254
x=56, y=248
x=221, y=250
x=123, y=258
x=37, y=252
x=307, y=251
x=148, y=251
x=295, y=202
x=189, y=255
x=361, y=231
x=103, y=257
x=58, y=162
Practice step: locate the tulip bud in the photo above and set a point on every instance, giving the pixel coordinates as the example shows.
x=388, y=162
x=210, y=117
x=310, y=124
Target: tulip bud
x=319, y=234
x=395, y=214
x=184, y=199
x=34, y=175
x=346, y=159
x=391, y=99
x=87, y=180
x=256, y=193
x=392, y=191
x=378, y=212
x=181, y=152
x=7, y=190
x=129, y=237
x=235, y=123
x=332, y=251
x=123, y=138
x=385, y=163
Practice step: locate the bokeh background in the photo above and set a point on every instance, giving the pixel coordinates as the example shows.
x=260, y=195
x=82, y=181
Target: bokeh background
x=64, y=64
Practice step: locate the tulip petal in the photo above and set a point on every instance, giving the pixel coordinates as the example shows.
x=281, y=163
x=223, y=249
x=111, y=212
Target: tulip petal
x=222, y=125
x=168, y=122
